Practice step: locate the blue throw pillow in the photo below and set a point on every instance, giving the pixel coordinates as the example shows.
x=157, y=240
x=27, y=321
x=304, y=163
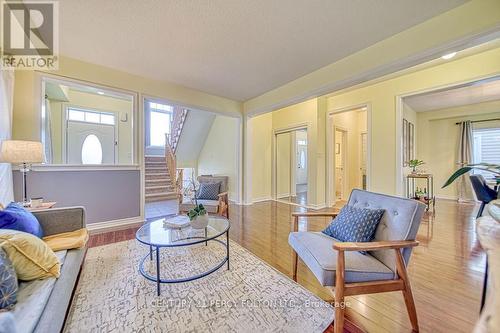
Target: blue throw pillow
x=15, y=217
x=209, y=191
x=355, y=224
x=8, y=282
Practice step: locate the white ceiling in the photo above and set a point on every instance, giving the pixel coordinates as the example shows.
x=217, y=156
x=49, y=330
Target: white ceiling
x=468, y=94
x=233, y=48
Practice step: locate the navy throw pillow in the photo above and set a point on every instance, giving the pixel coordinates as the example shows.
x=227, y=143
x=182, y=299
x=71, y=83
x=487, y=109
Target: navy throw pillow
x=8, y=282
x=355, y=224
x=209, y=191
x=15, y=217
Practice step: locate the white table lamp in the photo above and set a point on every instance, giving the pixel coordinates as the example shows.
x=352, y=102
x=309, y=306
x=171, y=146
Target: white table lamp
x=22, y=153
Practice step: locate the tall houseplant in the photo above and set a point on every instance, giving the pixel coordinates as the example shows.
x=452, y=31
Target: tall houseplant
x=493, y=168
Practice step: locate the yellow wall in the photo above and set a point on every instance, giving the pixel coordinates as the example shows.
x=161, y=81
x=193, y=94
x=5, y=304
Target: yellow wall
x=438, y=137
x=260, y=156
x=382, y=98
x=26, y=118
x=219, y=155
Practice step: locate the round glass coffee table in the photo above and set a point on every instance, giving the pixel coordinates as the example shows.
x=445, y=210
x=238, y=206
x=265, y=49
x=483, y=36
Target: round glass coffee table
x=156, y=235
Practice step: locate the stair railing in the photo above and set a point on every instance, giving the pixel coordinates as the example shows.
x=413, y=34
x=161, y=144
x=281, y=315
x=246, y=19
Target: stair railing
x=175, y=175
x=178, y=117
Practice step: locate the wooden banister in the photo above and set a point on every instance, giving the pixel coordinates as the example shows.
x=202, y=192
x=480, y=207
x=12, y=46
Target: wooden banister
x=170, y=159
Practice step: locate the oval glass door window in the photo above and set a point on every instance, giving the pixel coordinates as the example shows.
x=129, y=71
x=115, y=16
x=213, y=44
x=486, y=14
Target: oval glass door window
x=91, y=150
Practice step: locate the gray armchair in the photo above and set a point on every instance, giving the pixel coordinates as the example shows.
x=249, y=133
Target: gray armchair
x=382, y=269
x=219, y=206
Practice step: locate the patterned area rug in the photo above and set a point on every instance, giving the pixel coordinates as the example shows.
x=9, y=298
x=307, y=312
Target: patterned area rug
x=112, y=296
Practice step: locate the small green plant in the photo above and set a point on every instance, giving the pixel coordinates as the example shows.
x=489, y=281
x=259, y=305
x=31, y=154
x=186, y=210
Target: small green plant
x=493, y=168
x=414, y=164
x=198, y=210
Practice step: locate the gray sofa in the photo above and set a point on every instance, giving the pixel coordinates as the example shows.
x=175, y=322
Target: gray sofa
x=43, y=304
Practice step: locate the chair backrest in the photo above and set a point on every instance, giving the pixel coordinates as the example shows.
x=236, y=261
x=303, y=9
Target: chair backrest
x=483, y=192
x=224, y=180
x=400, y=221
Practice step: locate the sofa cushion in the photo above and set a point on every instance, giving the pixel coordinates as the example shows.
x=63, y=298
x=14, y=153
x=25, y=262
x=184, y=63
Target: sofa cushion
x=316, y=250
x=16, y=217
x=8, y=282
x=7, y=323
x=32, y=299
x=67, y=240
x=354, y=224
x=208, y=191
x=30, y=256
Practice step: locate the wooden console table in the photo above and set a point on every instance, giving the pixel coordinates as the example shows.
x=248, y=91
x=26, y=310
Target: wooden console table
x=411, y=189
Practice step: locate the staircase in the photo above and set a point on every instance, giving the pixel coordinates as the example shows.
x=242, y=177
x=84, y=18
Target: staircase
x=159, y=185
x=163, y=179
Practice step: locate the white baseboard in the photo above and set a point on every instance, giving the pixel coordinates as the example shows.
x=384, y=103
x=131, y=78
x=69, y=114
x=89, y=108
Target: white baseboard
x=261, y=199
x=318, y=206
x=114, y=225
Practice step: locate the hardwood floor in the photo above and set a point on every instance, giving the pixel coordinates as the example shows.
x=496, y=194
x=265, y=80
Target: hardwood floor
x=446, y=270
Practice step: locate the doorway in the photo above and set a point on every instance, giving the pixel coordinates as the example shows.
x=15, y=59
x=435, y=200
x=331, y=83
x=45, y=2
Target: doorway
x=291, y=166
x=348, y=149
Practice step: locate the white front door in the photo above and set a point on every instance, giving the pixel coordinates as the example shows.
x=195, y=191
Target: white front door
x=89, y=143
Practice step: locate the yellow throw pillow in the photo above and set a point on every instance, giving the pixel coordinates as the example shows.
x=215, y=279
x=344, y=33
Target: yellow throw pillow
x=67, y=240
x=31, y=257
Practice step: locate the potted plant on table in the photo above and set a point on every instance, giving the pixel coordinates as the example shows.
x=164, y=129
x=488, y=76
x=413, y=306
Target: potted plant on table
x=198, y=216
x=414, y=164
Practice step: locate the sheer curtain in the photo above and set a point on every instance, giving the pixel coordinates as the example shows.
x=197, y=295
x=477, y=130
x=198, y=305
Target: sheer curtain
x=6, y=101
x=464, y=157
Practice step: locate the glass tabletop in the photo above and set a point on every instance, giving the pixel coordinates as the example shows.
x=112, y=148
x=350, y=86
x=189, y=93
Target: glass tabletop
x=158, y=233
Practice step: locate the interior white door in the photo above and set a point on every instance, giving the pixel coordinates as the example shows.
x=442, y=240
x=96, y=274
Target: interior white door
x=81, y=141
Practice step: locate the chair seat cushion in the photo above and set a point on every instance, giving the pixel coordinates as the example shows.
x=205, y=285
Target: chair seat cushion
x=210, y=205
x=316, y=251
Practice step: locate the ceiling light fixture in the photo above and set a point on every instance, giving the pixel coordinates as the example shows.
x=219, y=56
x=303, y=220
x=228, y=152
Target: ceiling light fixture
x=449, y=56
x=100, y=93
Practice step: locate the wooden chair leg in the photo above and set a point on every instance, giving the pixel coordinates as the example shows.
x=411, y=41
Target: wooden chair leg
x=338, y=324
x=407, y=294
x=295, y=259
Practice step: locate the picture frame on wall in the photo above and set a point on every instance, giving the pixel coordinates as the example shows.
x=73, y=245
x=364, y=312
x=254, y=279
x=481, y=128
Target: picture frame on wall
x=411, y=141
x=405, y=142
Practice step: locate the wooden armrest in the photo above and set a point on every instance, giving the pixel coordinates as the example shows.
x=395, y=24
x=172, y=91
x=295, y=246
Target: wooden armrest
x=373, y=246
x=222, y=194
x=313, y=214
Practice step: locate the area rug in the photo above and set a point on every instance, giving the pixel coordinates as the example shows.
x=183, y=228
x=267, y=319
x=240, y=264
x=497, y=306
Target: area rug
x=112, y=296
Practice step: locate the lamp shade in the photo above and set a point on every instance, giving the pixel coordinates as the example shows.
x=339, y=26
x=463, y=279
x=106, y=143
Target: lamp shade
x=18, y=152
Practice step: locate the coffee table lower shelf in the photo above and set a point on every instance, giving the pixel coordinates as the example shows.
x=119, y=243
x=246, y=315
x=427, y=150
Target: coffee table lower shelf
x=156, y=250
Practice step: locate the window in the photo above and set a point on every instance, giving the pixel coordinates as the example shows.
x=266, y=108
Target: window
x=91, y=116
x=91, y=150
x=159, y=120
x=486, y=147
